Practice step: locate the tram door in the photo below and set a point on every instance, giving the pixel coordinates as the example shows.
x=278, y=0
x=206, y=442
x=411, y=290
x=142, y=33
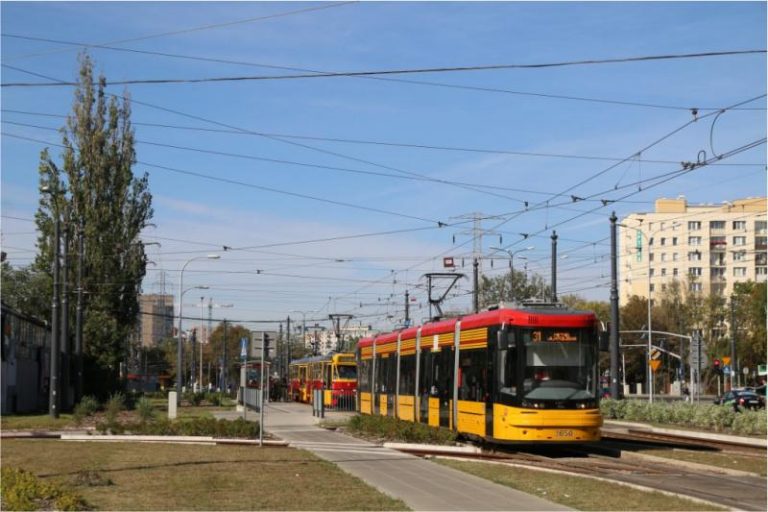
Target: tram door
x=440, y=367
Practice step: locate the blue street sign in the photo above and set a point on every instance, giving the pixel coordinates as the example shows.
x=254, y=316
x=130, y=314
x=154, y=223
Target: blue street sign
x=726, y=370
x=244, y=348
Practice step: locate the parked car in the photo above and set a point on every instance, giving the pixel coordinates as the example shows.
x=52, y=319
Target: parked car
x=741, y=398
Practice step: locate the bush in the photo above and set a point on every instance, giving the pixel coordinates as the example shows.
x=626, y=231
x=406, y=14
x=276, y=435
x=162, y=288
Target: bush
x=238, y=428
x=88, y=406
x=145, y=409
x=393, y=429
x=24, y=491
x=215, y=399
x=702, y=416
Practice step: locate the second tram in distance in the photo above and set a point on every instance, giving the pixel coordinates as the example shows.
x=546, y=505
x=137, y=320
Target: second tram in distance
x=335, y=374
x=504, y=375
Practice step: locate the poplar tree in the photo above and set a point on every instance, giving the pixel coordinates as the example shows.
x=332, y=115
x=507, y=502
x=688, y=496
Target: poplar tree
x=94, y=185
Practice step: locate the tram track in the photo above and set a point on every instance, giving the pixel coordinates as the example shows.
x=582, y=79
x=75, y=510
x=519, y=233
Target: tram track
x=731, y=491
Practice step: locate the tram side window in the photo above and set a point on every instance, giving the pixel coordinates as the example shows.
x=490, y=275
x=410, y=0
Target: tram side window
x=407, y=374
x=382, y=366
x=473, y=366
x=506, y=369
x=441, y=377
x=328, y=375
x=365, y=375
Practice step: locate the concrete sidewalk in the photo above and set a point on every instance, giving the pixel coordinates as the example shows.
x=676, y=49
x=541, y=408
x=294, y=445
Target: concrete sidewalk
x=421, y=484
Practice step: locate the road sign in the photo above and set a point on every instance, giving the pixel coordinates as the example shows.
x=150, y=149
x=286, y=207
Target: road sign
x=244, y=347
x=726, y=360
x=745, y=370
x=762, y=370
x=655, y=363
x=655, y=354
x=726, y=370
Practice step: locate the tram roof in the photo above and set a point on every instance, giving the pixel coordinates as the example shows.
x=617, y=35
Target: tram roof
x=526, y=316
x=317, y=359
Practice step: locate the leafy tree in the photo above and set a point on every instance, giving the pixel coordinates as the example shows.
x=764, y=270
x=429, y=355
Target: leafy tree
x=514, y=286
x=95, y=185
x=27, y=291
x=212, y=351
x=750, y=314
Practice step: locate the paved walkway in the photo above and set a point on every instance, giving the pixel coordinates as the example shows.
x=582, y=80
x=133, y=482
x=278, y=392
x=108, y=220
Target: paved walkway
x=421, y=484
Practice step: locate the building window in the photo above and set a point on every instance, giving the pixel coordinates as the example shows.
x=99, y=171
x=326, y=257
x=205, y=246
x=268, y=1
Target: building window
x=739, y=271
x=760, y=242
x=694, y=271
x=761, y=227
x=761, y=258
x=694, y=240
x=652, y=272
x=663, y=256
x=738, y=241
x=717, y=242
x=674, y=256
x=653, y=287
x=717, y=272
x=739, y=225
x=740, y=256
x=695, y=287
x=674, y=272
x=663, y=272
x=663, y=287
x=717, y=224
x=674, y=240
x=650, y=256
x=694, y=225
x=694, y=256
x=650, y=241
x=662, y=226
x=663, y=241
x=761, y=271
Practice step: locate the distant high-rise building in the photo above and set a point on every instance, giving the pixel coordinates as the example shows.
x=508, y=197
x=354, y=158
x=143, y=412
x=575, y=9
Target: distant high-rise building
x=155, y=318
x=708, y=248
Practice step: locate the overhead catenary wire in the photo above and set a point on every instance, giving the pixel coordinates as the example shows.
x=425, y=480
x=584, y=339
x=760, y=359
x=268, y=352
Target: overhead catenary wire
x=394, y=144
x=193, y=29
x=379, y=78
x=404, y=71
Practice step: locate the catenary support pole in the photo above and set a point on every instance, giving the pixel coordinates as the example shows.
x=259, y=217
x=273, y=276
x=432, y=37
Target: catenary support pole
x=614, y=326
x=53, y=398
x=64, y=373
x=79, y=314
x=554, y=266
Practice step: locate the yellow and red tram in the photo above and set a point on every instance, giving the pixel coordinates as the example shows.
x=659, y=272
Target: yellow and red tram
x=505, y=375
x=335, y=373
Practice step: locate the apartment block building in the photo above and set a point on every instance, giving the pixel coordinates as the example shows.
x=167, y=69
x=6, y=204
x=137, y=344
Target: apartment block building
x=707, y=248
x=155, y=318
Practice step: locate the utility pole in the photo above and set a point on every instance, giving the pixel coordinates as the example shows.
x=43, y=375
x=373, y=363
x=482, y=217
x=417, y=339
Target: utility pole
x=407, y=310
x=554, y=266
x=79, y=314
x=53, y=399
x=614, y=326
x=733, y=338
x=475, y=291
x=224, y=359
x=336, y=323
x=287, y=346
x=64, y=336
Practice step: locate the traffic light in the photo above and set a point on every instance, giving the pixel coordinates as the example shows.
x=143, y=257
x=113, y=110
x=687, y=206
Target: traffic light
x=266, y=345
x=716, y=366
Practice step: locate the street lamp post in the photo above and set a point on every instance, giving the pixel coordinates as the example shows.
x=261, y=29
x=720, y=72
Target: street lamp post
x=179, y=354
x=647, y=237
x=511, y=262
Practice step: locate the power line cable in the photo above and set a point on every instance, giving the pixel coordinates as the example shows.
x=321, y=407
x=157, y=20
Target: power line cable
x=188, y=30
x=391, y=144
x=404, y=71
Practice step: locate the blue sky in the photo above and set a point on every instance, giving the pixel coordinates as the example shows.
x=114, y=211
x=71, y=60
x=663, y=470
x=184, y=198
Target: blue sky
x=194, y=216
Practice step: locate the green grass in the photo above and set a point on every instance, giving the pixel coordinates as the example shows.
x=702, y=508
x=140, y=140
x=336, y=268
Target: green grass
x=189, y=477
x=36, y=422
x=721, y=460
x=575, y=492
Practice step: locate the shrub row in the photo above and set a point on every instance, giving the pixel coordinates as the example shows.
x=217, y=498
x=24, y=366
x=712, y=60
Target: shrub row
x=393, y=429
x=200, y=426
x=701, y=416
x=24, y=491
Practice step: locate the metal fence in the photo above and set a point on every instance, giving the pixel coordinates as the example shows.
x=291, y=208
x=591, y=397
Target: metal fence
x=341, y=400
x=253, y=398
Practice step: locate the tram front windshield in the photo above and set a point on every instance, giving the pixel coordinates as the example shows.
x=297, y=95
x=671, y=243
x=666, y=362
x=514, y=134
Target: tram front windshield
x=347, y=371
x=560, y=367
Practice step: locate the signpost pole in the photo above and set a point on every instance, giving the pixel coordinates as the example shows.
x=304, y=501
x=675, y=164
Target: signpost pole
x=261, y=392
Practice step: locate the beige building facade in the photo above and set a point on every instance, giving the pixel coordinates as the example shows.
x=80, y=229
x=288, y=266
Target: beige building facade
x=156, y=318
x=707, y=248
